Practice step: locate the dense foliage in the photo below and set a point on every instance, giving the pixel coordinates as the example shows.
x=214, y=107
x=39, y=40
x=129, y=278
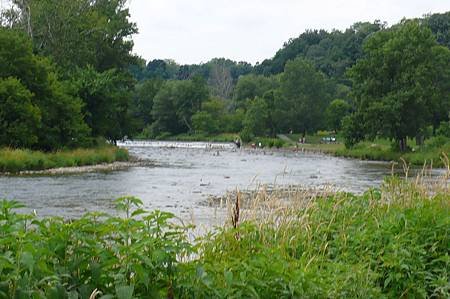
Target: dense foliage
x=38, y=108
x=387, y=243
x=402, y=84
x=68, y=76
x=307, y=85
x=64, y=77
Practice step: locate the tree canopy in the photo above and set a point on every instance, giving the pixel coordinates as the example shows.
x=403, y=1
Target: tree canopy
x=402, y=82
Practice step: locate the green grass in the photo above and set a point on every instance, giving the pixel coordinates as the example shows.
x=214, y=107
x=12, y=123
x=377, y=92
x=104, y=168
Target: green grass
x=432, y=152
x=16, y=160
x=387, y=243
x=343, y=246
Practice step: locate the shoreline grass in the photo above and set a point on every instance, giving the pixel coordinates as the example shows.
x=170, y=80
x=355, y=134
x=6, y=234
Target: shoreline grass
x=390, y=242
x=435, y=151
x=17, y=160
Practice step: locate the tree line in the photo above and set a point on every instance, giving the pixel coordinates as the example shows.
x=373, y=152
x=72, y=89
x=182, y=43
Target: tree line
x=368, y=81
x=70, y=77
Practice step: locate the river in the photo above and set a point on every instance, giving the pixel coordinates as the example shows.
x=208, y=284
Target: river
x=183, y=175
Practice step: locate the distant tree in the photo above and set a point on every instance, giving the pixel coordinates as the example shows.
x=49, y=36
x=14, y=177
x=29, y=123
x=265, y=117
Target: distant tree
x=233, y=121
x=251, y=86
x=305, y=96
x=401, y=82
x=353, y=129
x=175, y=104
x=106, y=97
x=164, y=110
x=139, y=69
x=220, y=79
x=330, y=52
x=335, y=112
x=144, y=93
x=162, y=69
x=204, y=122
x=439, y=24
x=256, y=117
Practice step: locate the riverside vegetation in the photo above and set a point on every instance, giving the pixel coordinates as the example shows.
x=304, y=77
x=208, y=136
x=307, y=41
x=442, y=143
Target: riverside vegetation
x=17, y=160
x=434, y=150
x=371, y=81
x=390, y=242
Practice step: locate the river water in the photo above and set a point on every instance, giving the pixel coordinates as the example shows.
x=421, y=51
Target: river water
x=183, y=175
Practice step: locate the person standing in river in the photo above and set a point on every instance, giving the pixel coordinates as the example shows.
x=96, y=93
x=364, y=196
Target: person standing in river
x=238, y=143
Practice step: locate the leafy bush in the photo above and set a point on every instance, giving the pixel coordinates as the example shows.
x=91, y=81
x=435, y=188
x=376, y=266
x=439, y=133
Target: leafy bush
x=444, y=129
x=97, y=254
x=246, y=135
x=437, y=141
x=387, y=243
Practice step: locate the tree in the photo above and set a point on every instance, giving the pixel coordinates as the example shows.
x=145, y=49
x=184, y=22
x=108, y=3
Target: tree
x=335, y=112
x=62, y=118
x=440, y=26
x=78, y=33
x=144, y=93
x=220, y=78
x=400, y=83
x=20, y=119
x=204, y=122
x=251, y=86
x=256, y=118
x=305, y=96
x=61, y=121
x=106, y=96
x=164, y=110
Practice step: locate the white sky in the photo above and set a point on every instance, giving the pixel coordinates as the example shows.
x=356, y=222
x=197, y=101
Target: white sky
x=194, y=31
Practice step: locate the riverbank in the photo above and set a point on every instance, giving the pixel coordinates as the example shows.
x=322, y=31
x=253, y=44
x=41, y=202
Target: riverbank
x=391, y=242
x=434, y=152
x=27, y=161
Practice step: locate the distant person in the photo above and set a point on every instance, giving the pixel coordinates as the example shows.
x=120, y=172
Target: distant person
x=238, y=143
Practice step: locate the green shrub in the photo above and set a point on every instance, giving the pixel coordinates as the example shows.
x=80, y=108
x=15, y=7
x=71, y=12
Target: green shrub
x=444, y=129
x=387, y=243
x=54, y=258
x=437, y=141
x=246, y=135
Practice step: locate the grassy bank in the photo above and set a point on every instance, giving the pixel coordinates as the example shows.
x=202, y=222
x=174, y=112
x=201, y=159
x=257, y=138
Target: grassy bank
x=16, y=160
x=387, y=243
x=433, y=151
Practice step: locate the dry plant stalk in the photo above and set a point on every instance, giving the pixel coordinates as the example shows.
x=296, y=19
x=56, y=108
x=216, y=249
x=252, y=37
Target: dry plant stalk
x=291, y=205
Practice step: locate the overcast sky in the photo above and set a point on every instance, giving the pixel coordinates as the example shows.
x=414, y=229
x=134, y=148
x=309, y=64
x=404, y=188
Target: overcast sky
x=194, y=31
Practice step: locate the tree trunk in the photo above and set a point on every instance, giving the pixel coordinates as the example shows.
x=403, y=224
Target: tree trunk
x=402, y=143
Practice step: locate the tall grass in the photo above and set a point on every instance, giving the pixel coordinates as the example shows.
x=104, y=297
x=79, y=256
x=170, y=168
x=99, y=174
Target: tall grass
x=390, y=242
x=16, y=160
x=387, y=243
